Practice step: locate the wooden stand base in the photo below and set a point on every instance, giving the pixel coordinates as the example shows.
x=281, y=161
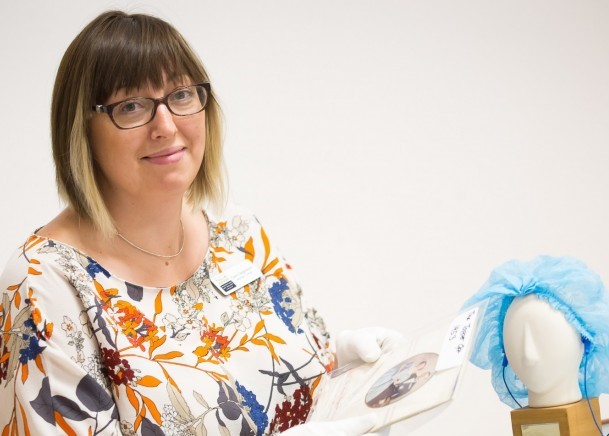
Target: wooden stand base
x=569, y=420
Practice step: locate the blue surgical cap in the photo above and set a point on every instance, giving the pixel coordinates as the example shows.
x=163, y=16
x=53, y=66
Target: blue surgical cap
x=568, y=286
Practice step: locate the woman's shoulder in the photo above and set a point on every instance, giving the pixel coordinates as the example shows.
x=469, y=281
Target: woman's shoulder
x=232, y=216
x=32, y=261
x=65, y=227
x=228, y=212
x=40, y=254
x=236, y=226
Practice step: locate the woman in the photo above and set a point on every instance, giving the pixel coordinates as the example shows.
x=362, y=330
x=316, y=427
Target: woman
x=133, y=311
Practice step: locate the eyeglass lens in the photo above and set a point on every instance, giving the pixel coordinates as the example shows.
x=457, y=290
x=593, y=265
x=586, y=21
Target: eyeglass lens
x=138, y=111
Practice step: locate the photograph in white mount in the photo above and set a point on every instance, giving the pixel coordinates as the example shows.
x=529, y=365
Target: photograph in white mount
x=401, y=380
x=421, y=375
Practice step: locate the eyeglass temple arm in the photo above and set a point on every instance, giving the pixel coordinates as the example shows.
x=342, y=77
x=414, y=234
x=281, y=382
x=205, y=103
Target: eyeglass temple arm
x=100, y=109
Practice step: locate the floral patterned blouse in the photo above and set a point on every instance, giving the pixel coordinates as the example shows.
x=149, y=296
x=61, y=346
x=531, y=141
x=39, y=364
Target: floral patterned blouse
x=83, y=352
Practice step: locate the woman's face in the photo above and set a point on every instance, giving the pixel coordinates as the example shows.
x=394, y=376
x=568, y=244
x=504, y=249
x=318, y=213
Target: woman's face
x=158, y=158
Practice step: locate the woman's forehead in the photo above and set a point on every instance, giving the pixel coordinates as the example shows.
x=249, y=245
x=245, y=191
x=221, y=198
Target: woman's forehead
x=150, y=89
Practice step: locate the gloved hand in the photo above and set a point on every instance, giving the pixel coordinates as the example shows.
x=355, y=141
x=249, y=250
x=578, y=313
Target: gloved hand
x=367, y=344
x=356, y=426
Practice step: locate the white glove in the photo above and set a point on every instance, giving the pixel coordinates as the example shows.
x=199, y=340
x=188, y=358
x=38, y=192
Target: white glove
x=357, y=426
x=367, y=344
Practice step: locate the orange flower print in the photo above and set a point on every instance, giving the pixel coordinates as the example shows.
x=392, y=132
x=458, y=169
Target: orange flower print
x=214, y=344
x=134, y=325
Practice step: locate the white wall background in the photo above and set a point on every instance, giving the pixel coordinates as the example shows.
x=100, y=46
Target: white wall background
x=396, y=151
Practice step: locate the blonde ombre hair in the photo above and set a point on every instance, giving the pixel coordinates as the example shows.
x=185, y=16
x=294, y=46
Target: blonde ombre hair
x=121, y=51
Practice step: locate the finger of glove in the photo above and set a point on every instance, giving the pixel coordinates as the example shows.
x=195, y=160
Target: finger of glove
x=345, y=347
x=367, y=344
x=375, y=341
x=368, y=348
x=389, y=339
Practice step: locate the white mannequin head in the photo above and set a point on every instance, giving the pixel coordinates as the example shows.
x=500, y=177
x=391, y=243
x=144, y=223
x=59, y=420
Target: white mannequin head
x=544, y=350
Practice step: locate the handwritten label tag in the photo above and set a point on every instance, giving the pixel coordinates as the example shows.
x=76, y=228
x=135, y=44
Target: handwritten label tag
x=457, y=339
x=234, y=278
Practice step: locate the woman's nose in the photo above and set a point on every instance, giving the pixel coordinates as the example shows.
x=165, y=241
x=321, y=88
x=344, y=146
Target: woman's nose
x=163, y=125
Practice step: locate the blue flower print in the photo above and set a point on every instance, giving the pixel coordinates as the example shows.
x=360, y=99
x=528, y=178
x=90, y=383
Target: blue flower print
x=256, y=410
x=31, y=351
x=94, y=268
x=282, y=303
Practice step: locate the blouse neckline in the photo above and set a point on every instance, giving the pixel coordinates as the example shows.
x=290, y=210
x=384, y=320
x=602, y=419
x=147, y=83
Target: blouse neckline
x=200, y=267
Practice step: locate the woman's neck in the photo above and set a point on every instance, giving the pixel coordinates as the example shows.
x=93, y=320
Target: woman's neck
x=154, y=225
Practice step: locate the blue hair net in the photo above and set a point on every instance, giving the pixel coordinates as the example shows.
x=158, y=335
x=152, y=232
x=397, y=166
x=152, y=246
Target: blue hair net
x=568, y=286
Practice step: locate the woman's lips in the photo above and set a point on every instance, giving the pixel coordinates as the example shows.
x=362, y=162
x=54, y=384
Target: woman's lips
x=167, y=156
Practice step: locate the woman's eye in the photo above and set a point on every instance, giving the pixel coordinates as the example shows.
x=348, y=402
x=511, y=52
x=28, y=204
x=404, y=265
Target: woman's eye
x=130, y=107
x=181, y=95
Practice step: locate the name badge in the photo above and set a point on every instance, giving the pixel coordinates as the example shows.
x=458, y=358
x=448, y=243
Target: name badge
x=234, y=278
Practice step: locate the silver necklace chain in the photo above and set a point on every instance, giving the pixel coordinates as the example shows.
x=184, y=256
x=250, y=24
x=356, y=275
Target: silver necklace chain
x=162, y=256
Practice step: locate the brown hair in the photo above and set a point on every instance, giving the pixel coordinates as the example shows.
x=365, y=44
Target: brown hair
x=121, y=51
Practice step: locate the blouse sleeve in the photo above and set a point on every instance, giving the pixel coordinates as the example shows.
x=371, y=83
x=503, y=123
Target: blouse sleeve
x=50, y=368
x=288, y=299
x=316, y=324
x=301, y=318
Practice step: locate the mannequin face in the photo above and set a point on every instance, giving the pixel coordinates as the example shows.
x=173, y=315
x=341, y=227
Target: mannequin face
x=544, y=351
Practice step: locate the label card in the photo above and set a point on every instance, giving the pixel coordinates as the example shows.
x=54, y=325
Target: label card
x=457, y=339
x=234, y=278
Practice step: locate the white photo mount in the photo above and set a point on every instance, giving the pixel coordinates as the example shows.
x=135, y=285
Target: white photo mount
x=403, y=383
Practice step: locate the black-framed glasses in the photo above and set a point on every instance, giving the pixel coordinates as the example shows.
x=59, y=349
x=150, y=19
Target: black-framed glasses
x=137, y=111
